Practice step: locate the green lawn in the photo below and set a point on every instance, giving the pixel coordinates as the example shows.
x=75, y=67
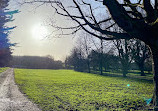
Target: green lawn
x=3, y=69
x=69, y=90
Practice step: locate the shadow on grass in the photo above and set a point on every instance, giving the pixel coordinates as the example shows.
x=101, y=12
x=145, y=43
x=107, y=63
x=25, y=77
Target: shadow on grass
x=129, y=76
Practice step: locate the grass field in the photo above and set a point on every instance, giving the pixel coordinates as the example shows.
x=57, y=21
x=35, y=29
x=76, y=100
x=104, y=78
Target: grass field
x=69, y=90
x=3, y=69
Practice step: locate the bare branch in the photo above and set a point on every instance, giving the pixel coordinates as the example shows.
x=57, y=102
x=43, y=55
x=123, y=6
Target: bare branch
x=91, y=11
x=115, y=34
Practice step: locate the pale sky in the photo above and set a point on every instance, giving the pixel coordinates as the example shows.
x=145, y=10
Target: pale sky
x=31, y=30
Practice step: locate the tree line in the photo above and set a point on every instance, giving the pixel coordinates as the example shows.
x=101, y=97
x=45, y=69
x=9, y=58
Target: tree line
x=35, y=62
x=118, y=55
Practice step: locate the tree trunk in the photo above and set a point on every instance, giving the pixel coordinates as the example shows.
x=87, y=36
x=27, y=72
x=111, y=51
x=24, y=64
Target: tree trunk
x=105, y=69
x=124, y=69
x=101, y=64
x=88, y=64
x=124, y=73
x=155, y=72
x=101, y=58
x=101, y=69
x=141, y=66
x=142, y=72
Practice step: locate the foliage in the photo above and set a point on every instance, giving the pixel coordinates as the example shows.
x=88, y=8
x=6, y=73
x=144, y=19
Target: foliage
x=109, y=61
x=36, y=62
x=76, y=59
x=5, y=16
x=69, y=90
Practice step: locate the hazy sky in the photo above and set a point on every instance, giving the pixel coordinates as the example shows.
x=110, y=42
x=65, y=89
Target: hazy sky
x=31, y=30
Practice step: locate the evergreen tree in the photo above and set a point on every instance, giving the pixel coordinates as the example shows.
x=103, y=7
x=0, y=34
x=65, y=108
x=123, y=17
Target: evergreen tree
x=5, y=16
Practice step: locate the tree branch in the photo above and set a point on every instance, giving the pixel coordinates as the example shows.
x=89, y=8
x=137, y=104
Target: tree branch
x=134, y=10
x=134, y=27
x=151, y=14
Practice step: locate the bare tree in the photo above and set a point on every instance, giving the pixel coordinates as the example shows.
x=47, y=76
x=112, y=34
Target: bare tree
x=85, y=43
x=132, y=51
x=141, y=53
x=125, y=54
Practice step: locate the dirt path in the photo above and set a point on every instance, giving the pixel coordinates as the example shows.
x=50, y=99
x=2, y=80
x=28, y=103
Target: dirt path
x=11, y=99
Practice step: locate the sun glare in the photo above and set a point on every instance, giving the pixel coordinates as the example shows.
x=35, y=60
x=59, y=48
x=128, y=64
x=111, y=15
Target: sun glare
x=39, y=31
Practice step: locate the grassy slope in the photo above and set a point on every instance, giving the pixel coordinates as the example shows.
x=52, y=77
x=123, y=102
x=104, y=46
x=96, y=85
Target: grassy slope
x=70, y=90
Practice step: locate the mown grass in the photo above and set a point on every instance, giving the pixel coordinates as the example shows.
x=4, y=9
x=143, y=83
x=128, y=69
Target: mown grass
x=59, y=90
x=2, y=69
x=131, y=73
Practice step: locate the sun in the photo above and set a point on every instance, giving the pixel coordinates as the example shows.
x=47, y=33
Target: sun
x=39, y=31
